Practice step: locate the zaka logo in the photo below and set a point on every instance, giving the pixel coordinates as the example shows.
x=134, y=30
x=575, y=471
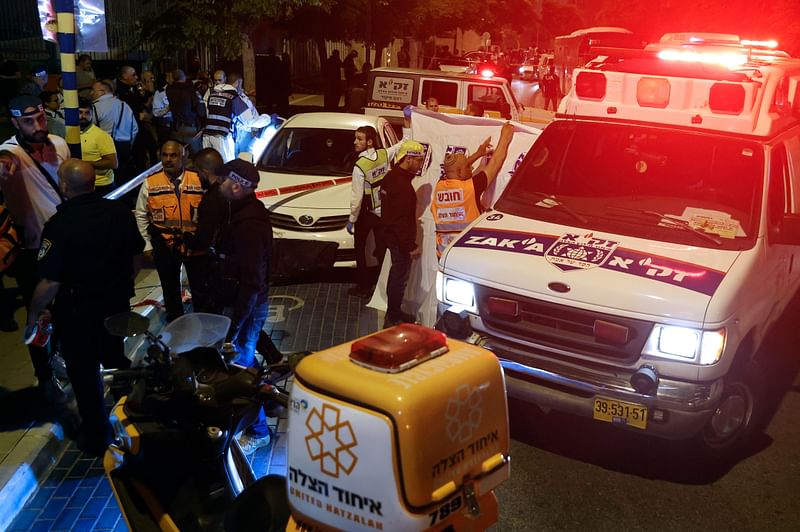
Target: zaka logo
x=463, y=414
x=579, y=252
x=330, y=441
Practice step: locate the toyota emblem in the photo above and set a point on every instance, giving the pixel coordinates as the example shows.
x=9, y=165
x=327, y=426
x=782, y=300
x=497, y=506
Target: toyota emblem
x=306, y=220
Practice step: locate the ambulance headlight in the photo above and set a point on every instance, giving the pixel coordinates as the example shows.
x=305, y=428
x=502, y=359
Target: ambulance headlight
x=456, y=292
x=684, y=343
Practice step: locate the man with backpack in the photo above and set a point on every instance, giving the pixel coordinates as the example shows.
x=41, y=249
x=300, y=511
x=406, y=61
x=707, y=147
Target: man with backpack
x=116, y=118
x=29, y=163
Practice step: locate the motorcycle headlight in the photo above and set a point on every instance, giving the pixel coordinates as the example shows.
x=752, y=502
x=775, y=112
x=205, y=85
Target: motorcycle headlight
x=456, y=292
x=684, y=343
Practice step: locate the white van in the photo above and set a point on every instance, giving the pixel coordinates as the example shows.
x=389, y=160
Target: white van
x=389, y=90
x=641, y=251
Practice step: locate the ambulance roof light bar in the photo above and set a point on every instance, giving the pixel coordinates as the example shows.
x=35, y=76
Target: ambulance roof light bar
x=760, y=44
x=726, y=59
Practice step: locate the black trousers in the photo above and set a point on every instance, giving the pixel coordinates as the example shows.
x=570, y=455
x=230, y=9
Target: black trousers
x=397, y=281
x=24, y=269
x=85, y=344
x=368, y=222
x=168, y=265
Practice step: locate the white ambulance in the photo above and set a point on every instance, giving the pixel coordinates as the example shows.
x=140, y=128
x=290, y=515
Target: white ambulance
x=641, y=251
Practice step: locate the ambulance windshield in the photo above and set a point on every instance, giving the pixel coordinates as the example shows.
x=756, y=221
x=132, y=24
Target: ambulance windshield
x=642, y=181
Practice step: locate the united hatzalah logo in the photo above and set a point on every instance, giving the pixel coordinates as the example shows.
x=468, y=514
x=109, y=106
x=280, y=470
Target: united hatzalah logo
x=331, y=441
x=579, y=252
x=463, y=414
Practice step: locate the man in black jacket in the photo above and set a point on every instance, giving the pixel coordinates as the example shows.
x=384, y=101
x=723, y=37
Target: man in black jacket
x=212, y=217
x=399, y=226
x=245, y=246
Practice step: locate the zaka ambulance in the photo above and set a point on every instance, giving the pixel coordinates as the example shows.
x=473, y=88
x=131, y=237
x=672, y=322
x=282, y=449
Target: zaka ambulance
x=634, y=265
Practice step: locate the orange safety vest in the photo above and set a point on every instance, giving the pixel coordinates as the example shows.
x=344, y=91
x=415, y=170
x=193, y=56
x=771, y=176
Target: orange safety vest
x=454, y=207
x=172, y=214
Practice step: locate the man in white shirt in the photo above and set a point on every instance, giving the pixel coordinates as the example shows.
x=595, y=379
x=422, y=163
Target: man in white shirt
x=29, y=163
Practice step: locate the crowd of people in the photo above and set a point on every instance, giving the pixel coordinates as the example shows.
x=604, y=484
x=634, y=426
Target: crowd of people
x=79, y=252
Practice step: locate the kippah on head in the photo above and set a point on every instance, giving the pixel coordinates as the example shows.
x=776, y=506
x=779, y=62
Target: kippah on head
x=84, y=103
x=453, y=160
x=20, y=105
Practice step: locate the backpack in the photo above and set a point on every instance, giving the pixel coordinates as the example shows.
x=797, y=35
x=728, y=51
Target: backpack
x=9, y=239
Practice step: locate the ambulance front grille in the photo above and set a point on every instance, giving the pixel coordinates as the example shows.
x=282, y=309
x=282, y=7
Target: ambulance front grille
x=563, y=327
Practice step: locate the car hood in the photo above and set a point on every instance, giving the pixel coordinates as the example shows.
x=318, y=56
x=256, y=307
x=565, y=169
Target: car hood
x=277, y=190
x=598, y=271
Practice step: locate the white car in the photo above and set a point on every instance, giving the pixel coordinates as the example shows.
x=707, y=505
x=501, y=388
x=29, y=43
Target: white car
x=305, y=174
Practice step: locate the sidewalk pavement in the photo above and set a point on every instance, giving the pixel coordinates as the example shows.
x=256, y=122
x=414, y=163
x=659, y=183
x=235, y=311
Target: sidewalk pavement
x=32, y=432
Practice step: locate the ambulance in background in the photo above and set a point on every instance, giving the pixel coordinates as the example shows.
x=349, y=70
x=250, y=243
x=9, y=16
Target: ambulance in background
x=576, y=49
x=635, y=263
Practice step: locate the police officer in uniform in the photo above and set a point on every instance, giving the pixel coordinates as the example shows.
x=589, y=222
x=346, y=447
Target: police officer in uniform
x=166, y=209
x=223, y=106
x=457, y=197
x=86, y=262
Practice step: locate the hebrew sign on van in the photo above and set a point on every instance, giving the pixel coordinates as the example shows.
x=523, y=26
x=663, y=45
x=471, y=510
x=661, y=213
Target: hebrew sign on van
x=394, y=90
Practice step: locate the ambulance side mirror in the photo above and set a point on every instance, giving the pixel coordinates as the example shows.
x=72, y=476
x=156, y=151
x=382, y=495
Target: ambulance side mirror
x=789, y=233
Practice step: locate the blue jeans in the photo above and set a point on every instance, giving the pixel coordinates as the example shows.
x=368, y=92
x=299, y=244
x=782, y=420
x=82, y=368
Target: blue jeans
x=246, y=346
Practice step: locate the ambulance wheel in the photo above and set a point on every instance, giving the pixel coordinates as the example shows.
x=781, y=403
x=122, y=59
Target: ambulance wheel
x=738, y=414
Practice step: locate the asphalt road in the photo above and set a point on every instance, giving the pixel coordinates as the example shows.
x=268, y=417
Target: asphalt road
x=569, y=473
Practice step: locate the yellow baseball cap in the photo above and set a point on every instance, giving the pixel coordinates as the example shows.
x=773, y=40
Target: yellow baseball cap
x=409, y=148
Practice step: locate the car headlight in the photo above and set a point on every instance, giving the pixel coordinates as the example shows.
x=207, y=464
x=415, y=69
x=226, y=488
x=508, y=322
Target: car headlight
x=455, y=292
x=685, y=343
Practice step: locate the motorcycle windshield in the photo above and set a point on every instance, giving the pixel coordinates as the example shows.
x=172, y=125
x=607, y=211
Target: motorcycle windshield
x=194, y=330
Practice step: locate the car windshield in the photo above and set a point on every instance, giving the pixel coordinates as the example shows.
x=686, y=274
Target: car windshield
x=312, y=151
x=674, y=186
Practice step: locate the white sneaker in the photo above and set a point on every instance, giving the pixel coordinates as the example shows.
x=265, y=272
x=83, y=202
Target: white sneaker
x=251, y=444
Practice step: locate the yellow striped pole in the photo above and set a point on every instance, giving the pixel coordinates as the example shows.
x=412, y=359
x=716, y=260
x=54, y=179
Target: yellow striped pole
x=65, y=15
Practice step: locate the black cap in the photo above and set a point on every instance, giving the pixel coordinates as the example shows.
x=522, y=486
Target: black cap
x=242, y=172
x=18, y=105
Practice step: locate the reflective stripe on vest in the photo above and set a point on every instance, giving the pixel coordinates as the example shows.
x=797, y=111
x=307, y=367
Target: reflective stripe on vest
x=169, y=213
x=374, y=171
x=454, y=207
x=220, y=109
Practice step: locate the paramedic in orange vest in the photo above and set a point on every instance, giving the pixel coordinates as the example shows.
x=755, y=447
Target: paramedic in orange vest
x=457, y=198
x=167, y=208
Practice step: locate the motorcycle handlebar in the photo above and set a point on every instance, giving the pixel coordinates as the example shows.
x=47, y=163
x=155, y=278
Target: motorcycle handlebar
x=273, y=393
x=126, y=374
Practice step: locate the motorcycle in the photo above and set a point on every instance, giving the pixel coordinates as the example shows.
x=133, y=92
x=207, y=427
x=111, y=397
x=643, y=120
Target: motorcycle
x=404, y=429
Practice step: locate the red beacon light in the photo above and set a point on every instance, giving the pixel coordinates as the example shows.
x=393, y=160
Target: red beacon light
x=398, y=348
x=590, y=85
x=487, y=73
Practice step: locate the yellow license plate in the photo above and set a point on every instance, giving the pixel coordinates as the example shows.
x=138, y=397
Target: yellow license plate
x=620, y=412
